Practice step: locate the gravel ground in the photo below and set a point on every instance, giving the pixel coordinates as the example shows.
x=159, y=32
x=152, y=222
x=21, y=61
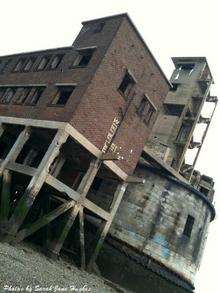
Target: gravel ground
x=24, y=269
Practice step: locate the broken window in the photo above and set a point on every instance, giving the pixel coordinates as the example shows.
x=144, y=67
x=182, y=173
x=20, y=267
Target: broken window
x=98, y=27
x=83, y=58
x=43, y=63
x=29, y=64
x=173, y=109
x=63, y=94
x=19, y=65
x=56, y=61
x=33, y=100
x=8, y=95
x=126, y=85
x=146, y=109
x=188, y=226
x=23, y=95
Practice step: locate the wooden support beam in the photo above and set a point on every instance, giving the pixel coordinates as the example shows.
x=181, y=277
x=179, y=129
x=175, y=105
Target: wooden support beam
x=16, y=148
x=5, y=197
x=46, y=219
x=1, y=129
x=82, y=238
x=106, y=225
x=36, y=182
x=83, y=189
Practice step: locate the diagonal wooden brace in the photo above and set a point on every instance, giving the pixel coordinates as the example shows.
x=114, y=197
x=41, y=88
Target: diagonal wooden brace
x=36, y=182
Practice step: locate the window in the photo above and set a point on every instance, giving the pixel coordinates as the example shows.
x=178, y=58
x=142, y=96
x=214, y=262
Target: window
x=188, y=226
x=173, y=109
x=4, y=66
x=126, y=85
x=33, y=100
x=8, y=95
x=83, y=58
x=43, y=63
x=19, y=65
x=56, y=61
x=146, y=110
x=63, y=94
x=98, y=27
x=204, y=190
x=96, y=184
x=29, y=64
x=23, y=95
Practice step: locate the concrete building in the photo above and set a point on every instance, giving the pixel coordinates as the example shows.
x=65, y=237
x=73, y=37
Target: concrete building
x=94, y=136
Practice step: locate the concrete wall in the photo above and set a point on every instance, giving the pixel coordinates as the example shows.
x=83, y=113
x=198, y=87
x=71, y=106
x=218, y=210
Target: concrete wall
x=152, y=217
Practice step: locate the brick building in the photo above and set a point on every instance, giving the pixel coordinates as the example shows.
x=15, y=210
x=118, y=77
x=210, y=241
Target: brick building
x=83, y=127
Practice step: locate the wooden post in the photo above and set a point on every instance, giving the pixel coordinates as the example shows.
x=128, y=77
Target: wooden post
x=106, y=225
x=83, y=189
x=16, y=149
x=82, y=238
x=36, y=182
x=5, y=196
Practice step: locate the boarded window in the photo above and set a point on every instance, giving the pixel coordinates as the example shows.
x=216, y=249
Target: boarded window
x=23, y=95
x=19, y=65
x=63, y=94
x=43, y=63
x=33, y=100
x=29, y=64
x=188, y=226
x=8, y=95
x=126, y=85
x=56, y=61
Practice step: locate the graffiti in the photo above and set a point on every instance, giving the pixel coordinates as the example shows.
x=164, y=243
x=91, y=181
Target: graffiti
x=108, y=142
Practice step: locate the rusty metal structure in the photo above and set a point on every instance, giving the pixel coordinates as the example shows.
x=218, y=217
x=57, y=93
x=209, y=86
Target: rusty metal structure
x=93, y=141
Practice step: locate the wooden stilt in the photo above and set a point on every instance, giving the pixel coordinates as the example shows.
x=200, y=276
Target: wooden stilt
x=36, y=182
x=106, y=225
x=82, y=238
x=83, y=189
x=5, y=196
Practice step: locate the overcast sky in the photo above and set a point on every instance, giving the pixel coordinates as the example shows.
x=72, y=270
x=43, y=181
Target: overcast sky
x=170, y=28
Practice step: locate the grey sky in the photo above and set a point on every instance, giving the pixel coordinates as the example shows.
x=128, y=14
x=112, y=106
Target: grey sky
x=170, y=28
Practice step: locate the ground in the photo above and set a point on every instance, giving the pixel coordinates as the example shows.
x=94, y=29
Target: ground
x=24, y=268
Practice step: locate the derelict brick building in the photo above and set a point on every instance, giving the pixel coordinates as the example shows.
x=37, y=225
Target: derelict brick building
x=88, y=126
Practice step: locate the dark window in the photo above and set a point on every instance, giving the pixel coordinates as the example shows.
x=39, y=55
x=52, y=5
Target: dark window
x=29, y=64
x=126, y=84
x=33, y=100
x=63, y=94
x=204, y=190
x=43, y=63
x=186, y=66
x=173, y=109
x=8, y=95
x=19, y=65
x=98, y=27
x=56, y=61
x=142, y=106
x=83, y=58
x=23, y=95
x=188, y=226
